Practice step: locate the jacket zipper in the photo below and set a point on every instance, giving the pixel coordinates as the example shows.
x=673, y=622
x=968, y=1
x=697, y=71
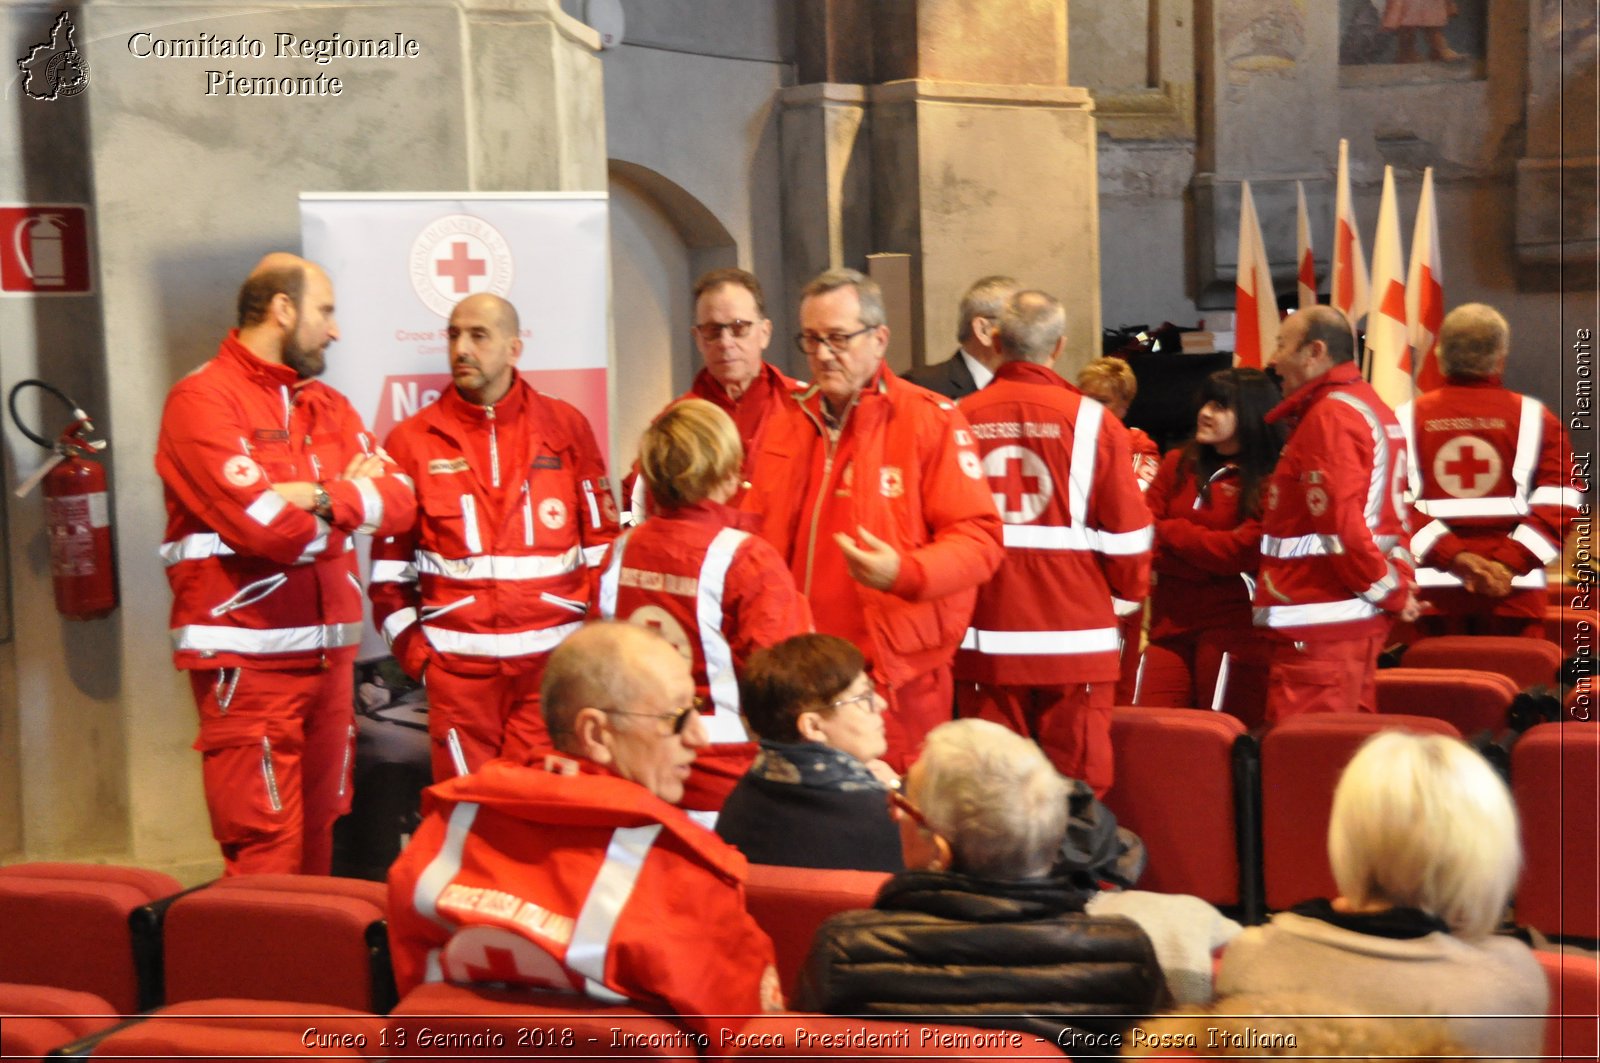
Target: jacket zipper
x=527, y=516
x=349, y=749
x=251, y=593
x=270, y=775
x=494, y=448
x=816, y=513
x=469, y=520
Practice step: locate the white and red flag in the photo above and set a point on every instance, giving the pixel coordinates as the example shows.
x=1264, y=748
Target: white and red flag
x=1425, y=290
x=1255, y=305
x=1304, y=263
x=1349, y=283
x=1388, y=338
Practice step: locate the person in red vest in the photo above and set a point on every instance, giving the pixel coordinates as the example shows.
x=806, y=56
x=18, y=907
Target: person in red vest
x=1493, y=486
x=1334, y=565
x=269, y=474
x=514, y=510
x=872, y=492
x=577, y=873
x=1041, y=655
x=731, y=332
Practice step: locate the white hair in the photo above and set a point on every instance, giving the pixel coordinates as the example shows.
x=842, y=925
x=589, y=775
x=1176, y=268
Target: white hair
x=995, y=797
x=1422, y=821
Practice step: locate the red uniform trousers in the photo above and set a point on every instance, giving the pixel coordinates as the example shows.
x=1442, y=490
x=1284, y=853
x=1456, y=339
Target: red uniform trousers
x=494, y=715
x=1072, y=724
x=915, y=708
x=1181, y=671
x=278, y=750
x=1334, y=675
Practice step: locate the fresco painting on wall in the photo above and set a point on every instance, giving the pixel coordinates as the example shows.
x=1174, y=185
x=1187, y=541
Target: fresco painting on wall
x=1450, y=32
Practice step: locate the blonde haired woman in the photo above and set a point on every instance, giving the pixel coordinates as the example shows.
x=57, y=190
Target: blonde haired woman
x=1424, y=846
x=695, y=572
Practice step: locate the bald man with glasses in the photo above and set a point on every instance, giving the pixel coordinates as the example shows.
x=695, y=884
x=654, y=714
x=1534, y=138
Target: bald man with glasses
x=873, y=492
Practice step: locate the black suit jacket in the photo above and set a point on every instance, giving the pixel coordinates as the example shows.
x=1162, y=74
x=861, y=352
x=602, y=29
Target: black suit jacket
x=950, y=378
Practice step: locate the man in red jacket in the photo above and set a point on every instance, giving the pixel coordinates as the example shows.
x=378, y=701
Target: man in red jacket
x=1493, y=484
x=871, y=490
x=1041, y=655
x=576, y=874
x=514, y=509
x=731, y=331
x=1334, y=563
x=268, y=475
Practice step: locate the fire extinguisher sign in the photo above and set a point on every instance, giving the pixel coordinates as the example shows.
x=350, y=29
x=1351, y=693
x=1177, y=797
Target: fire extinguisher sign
x=44, y=249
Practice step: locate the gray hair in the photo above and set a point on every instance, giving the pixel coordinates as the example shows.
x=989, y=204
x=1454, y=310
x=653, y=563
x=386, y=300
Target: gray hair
x=1030, y=327
x=867, y=290
x=1473, y=341
x=995, y=797
x=986, y=298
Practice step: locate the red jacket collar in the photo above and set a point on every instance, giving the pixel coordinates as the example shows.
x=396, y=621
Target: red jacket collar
x=811, y=398
x=1032, y=373
x=1300, y=401
x=510, y=406
x=272, y=374
x=708, y=512
x=1492, y=381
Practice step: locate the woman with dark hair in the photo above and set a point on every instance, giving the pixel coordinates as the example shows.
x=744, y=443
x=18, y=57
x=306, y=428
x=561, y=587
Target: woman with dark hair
x=815, y=795
x=1206, y=501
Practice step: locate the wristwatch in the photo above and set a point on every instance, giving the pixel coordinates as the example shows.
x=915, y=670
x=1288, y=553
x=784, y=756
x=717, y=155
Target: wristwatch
x=322, y=503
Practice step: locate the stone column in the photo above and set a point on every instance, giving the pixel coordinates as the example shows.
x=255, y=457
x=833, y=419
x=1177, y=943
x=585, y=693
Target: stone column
x=1560, y=168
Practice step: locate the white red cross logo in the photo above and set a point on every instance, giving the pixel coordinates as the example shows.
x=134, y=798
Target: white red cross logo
x=662, y=623
x=494, y=954
x=1020, y=482
x=1467, y=467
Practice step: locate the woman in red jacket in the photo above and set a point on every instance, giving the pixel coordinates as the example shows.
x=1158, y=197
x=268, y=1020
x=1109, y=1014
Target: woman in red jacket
x=1206, y=502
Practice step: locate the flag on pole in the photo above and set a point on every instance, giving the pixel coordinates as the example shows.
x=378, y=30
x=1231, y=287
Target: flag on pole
x=1255, y=305
x=1425, y=290
x=1388, y=340
x=1305, y=263
x=1349, y=286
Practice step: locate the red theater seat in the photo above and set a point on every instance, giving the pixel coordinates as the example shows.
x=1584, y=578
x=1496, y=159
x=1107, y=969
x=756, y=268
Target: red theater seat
x=797, y=1035
x=1554, y=768
x=1470, y=701
x=1570, y=1034
x=1301, y=761
x=245, y=1029
x=67, y=925
x=438, y=1020
x=1175, y=789
x=791, y=902
x=307, y=938
x=1526, y=662
x=35, y=1019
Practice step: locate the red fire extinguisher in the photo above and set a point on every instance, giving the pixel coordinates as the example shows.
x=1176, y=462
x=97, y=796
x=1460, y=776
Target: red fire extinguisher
x=77, y=513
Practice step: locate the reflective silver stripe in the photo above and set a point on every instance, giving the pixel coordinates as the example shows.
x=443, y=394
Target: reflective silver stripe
x=568, y=604
x=1379, y=482
x=1289, y=547
x=397, y=622
x=429, y=613
x=593, y=555
x=1449, y=508
x=1406, y=414
x=1085, y=445
x=195, y=547
x=318, y=545
x=1530, y=433
x=1035, y=643
x=393, y=572
x=411, y=485
x=499, y=644
x=594, y=506
x=469, y=523
x=609, y=578
x=498, y=566
x=1057, y=537
x=1315, y=613
x=1565, y=497
x=250, y=593
x=267, y=506
x=1433, y=579
x=225, y=639
x=371, y=505
x=1428, y=537
x=1538, y=545
x=1123, y=607
x=527, y=517
x=723, y=684
x=444, y=866
x=608, y=896
x=1384, y=586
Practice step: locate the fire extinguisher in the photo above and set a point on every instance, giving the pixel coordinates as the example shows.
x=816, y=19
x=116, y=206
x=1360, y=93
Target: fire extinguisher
x=77, y=513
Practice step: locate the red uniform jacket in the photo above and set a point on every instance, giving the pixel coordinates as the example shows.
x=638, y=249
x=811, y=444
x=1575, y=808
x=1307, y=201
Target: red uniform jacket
x=1202, y=551
x=1076, y=533
x=1334, y=562
x=715, y=591
x=1493, y=475
x=256, y=581
x=583, y=883
x=513, y=509
x=750, y=411
x=903, y=466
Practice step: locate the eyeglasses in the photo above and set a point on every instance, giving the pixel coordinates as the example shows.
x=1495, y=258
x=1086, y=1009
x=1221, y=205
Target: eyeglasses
x=808, y=342
x=677, y=721
x=712, y=330
x=900, y=804
x=868, y=698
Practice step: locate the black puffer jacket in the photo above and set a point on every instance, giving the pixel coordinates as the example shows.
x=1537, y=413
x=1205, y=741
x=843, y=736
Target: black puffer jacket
x=1012, y=955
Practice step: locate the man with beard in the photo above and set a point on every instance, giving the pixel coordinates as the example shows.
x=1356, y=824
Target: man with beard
x=513, y=509
x=269, y=474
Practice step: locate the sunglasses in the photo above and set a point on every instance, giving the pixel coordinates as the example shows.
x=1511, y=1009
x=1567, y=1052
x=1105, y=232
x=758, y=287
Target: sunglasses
x=711, y=330
x=677, y=721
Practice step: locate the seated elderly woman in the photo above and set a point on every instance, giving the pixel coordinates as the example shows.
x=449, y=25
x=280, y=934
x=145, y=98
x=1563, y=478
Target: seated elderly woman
x=979, y=932
x=1423, y=843
x=815, y=795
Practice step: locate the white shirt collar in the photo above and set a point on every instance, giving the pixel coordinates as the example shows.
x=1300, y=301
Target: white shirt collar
x=981, y=374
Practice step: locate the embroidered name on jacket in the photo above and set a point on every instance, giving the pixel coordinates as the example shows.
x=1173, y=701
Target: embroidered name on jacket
x=462, y=900
x=442, y=466
x=687, y=586
x=547, y=461
x=1013, y=430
